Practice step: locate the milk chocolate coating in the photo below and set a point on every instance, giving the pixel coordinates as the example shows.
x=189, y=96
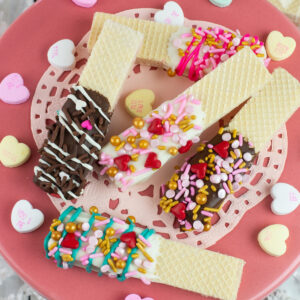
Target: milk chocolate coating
x=60, y=136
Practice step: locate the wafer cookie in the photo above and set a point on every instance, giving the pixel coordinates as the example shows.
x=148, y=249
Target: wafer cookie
x=118, y=249
x=199, y=189
x=182, y=50
x=172, y=128
x=75, y=140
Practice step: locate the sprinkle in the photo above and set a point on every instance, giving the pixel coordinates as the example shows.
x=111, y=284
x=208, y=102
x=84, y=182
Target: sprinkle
x=52, y=246
x=241, y=140
x=206, y=213
x=144, y=252
x=142, y=270
x=120, y=230
x=84, y=263
x=237, y=163
x=239, y=171
x=100, y=223
x=218, y=169
x=145, y=241
x=180, y=193
x=226, y=188
x=121, y=222
x=65, y=251
x=120, y=146
x=50, y=253
x=145, y=280
x=210, y=146
x=95, y=255
x=84, y=257
x=130, y=274
x=142, y=171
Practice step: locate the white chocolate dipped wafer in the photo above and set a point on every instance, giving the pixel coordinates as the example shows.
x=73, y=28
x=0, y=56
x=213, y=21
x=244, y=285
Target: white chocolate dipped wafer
x=75, y=140
x=182, y=50
x=173, y=127
x=221, y=166
x=120, y=250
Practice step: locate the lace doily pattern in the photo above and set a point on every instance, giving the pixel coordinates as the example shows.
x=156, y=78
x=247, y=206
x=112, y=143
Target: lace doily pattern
x=142, y=200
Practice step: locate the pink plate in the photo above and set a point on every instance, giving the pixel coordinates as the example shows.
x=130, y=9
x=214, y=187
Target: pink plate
x=23, y=50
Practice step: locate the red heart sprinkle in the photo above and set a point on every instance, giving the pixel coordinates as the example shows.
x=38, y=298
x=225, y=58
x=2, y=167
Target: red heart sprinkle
x=156, y=127
x=152, y=161
x=179, y=210
x=122, y=162
x=199, y=169
x=185, y=148
x=129, y=239
x=70, y=241
x=222, y=149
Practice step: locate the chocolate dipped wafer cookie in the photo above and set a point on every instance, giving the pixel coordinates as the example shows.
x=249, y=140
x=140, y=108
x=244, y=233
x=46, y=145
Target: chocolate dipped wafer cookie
x=200, y=187
x=76, y=138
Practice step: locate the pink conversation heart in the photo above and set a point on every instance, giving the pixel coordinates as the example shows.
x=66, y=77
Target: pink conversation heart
x=12, y=89
x=85, y=3
x=136, y=297
x=87, y=124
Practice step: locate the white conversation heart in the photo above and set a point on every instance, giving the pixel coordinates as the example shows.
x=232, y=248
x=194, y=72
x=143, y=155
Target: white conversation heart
x=171, y=14
x=24, y=218
x=286, y=198
x=61, y=55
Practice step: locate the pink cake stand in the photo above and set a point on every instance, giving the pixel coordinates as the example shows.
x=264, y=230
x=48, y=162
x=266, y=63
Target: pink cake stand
x=23, y=49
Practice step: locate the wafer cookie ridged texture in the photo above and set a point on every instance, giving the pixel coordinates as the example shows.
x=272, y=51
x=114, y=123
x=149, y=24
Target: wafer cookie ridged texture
x=154, y=50
x=228, y=85
x=205, y=272
x=110, y=62
x=265, y=113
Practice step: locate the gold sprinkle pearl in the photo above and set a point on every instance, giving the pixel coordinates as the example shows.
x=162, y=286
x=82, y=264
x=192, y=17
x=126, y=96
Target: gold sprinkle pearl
x=112, y=171
x=207, y=227
x=93, y=210
x=70, y=227
x=201, y=199
x=131, y=139
x=79, y=226
x=171, y=73
x=173, y=151
x=110, y=231
x=56, y=235
x=172, y=185
x=138, y=123
x=120, y=264
x=130, y=218
x=115, y=140
x=143, y=144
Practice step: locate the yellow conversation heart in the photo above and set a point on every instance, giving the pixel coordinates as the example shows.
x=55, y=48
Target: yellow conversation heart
x=13, y=153
x=279, y=47
x=272, y=239
x=139, y=103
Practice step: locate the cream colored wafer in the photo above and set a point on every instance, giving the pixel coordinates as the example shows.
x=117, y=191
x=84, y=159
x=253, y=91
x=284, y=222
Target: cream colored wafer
x=154, y=50
x=223, y=89
x=144, y=255
x=110, y=61
x=265, y=113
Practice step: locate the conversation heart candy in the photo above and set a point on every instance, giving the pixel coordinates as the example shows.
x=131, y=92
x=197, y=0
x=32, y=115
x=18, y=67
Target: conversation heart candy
x=221, y=3
x=13, y=153
x=171, y=14
x=136, y=297
x=139, y=102
x=85, y=3
x=13, y=90
x=61, y=55
x=279, y=47
x=24, y=218
x=272, y=239
x=286, y=198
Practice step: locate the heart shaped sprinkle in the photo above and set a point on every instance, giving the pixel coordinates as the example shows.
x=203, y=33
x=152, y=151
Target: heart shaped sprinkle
x=221, y=3
x=13, y=90
x=199, y=169
x=179, y=211
x=122, y=162
x=185, y=148
x=171, y=14
x=85, y=3
x=278, y=46
x=61, y=55
x=156, y=127
x=80, y=104
x=70, y=241
x=129, y=239
x=136, y=297
x=24, y=218
x=12, y=153
x=152, y=161
x=139, y=103
x=222, y=149
x=286, y=198
x=87, y=124
x=272, y=239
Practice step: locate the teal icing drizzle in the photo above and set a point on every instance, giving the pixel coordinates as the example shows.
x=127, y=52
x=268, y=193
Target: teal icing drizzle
x=72, y=219
x=146, y=234
x=61, y=218
x=114, y=247
x=89, y=266
x=74, y=254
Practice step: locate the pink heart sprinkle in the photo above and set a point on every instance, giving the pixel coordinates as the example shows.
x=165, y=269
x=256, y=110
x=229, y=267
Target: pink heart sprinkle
x=85, y=3
x=87, y=124
x=12, y=89
x=136, y=297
